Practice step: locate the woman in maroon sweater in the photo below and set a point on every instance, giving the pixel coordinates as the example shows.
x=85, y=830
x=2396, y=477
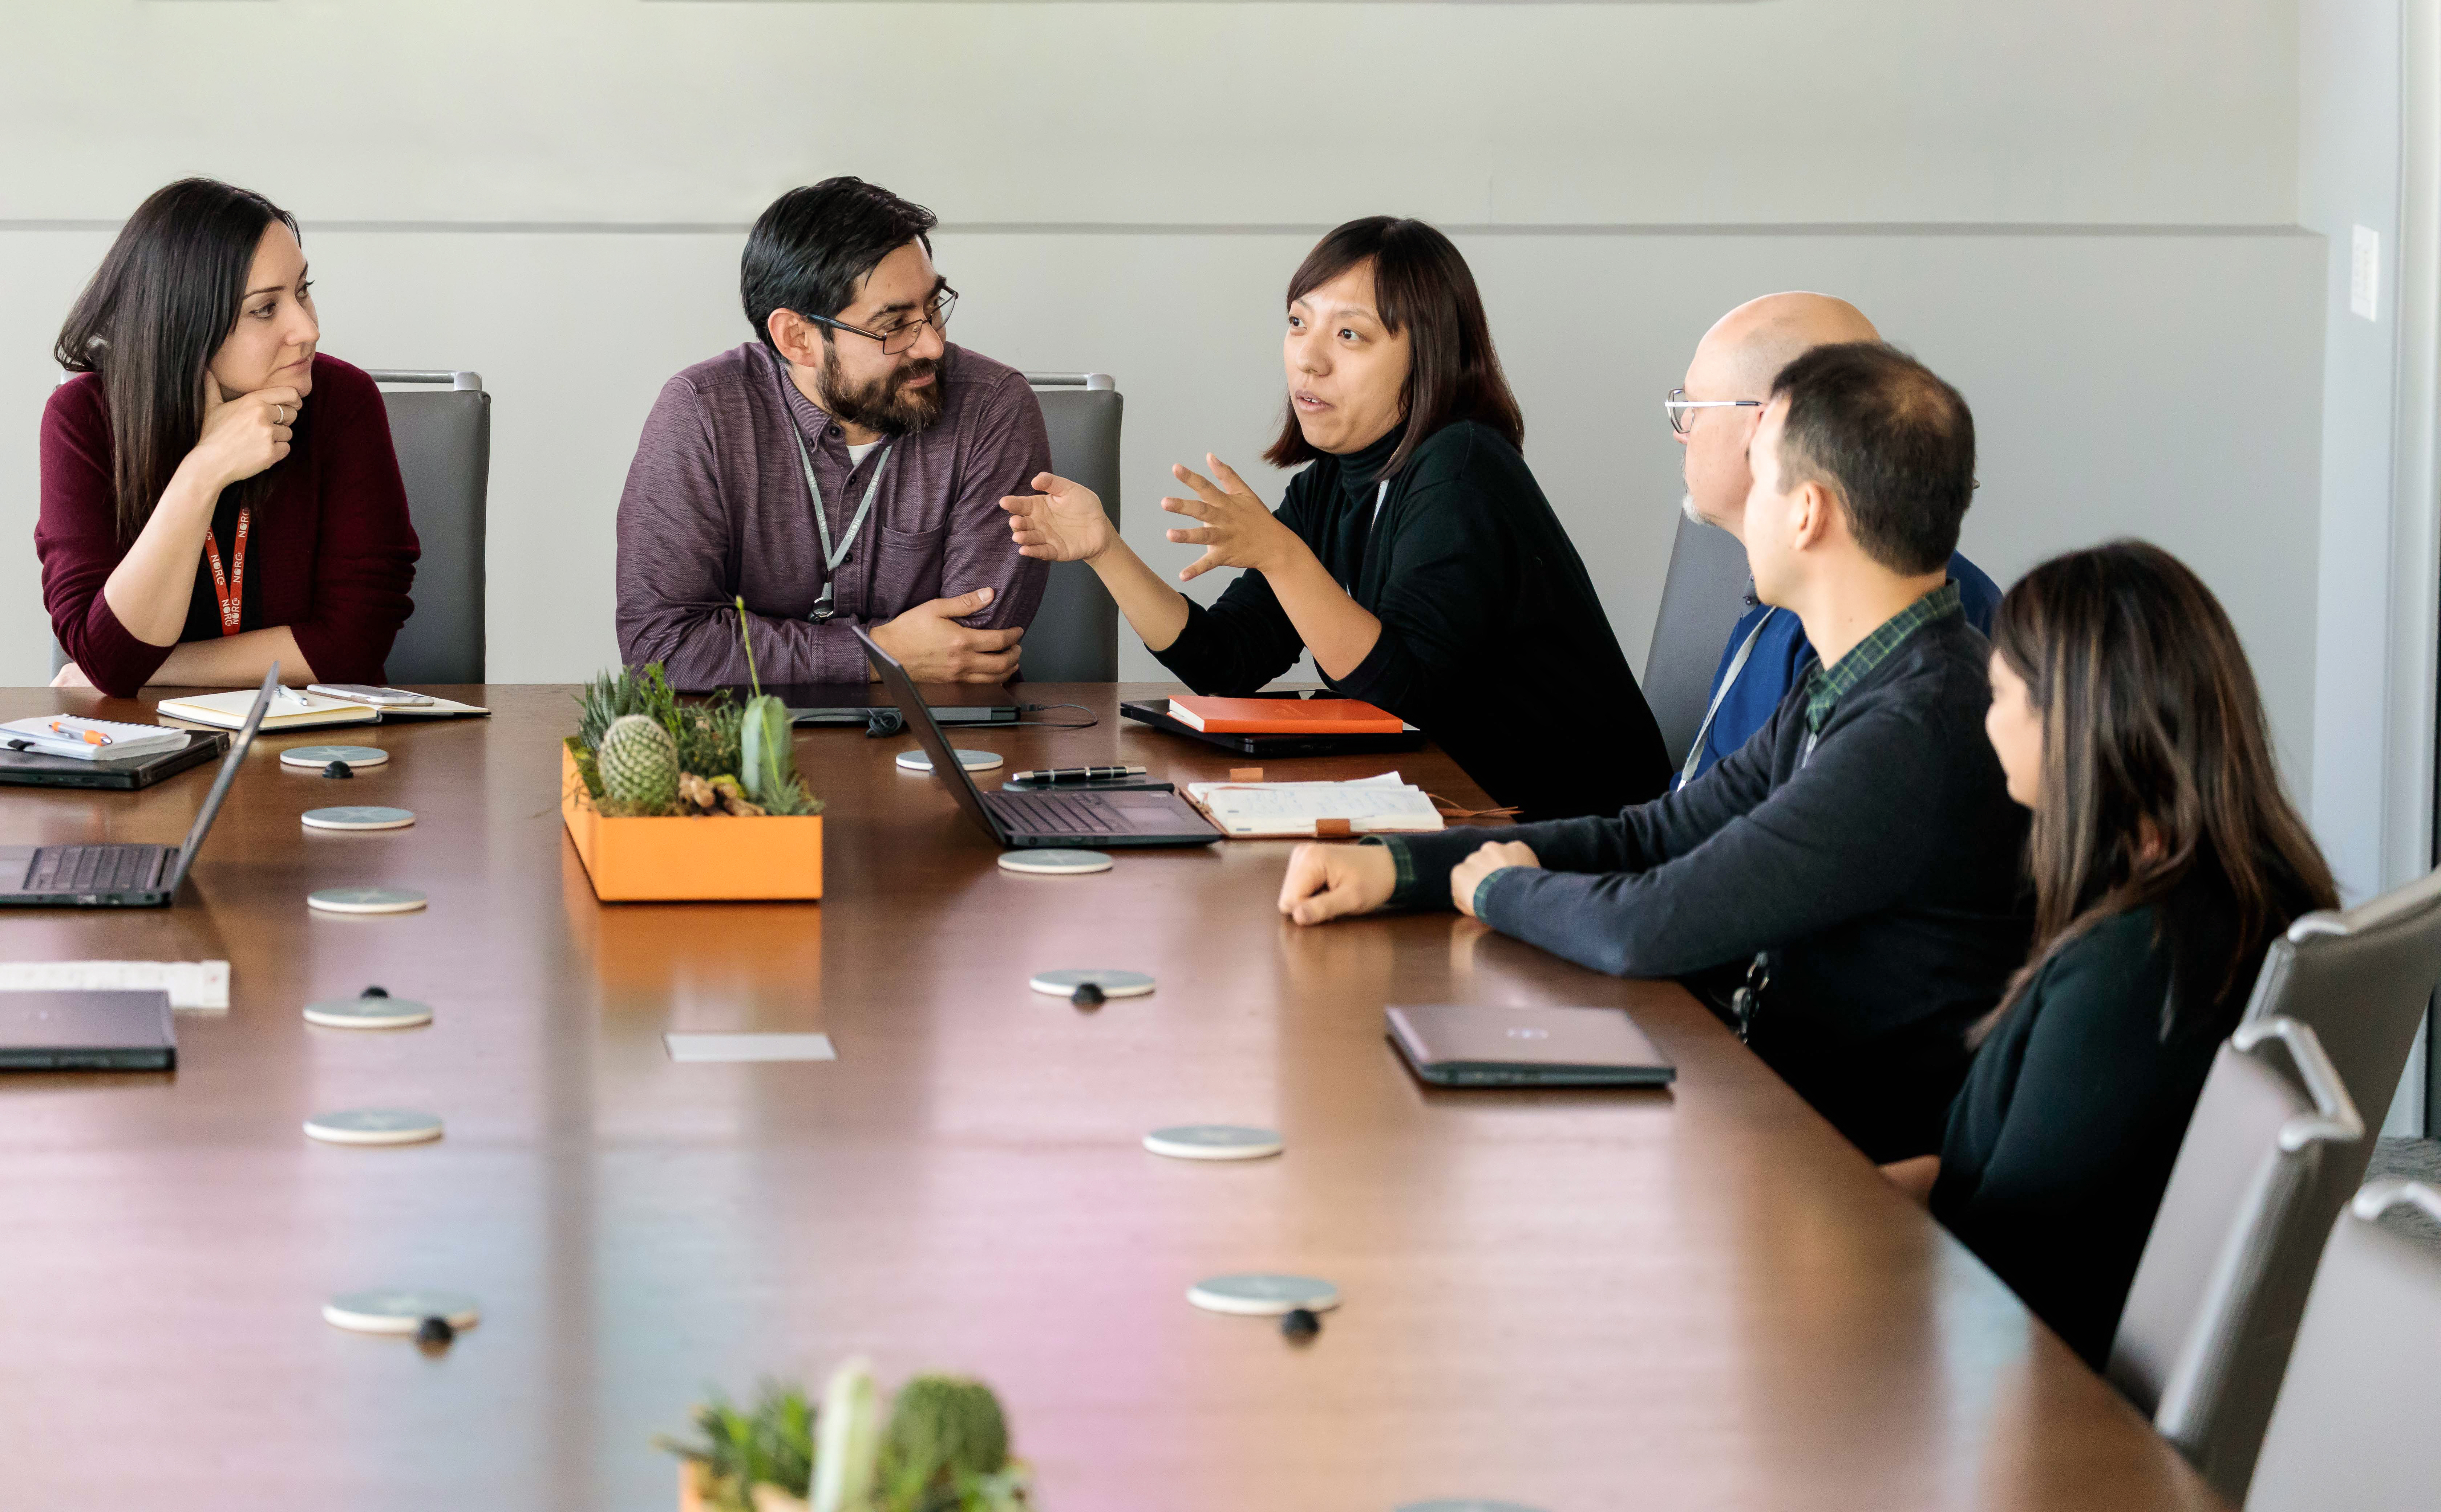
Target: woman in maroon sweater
x=216, y=496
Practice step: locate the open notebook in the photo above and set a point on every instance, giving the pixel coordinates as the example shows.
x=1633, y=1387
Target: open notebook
x=1376, y=806
x=296, y=709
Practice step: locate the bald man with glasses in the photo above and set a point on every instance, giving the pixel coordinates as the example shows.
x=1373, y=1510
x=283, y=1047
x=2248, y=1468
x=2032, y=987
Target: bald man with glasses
x=1714, y=417
x=844, y=468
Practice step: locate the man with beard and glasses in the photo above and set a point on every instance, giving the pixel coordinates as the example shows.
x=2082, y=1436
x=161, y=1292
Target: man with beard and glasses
x=845, y=469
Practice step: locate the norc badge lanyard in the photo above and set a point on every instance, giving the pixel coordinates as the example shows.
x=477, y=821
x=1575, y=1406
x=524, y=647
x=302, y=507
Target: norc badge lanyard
x=832, y=556
x=231, y=589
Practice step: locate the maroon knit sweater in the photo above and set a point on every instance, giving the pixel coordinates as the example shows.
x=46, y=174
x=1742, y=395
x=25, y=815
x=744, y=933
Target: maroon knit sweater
x=329, y=554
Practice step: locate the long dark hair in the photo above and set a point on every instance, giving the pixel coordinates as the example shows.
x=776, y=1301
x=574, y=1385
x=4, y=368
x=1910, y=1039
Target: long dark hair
x=162, y=302
x=1421, y=285
x=2158, y=781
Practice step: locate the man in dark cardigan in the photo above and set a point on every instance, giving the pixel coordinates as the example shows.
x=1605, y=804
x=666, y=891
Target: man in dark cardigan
x=1856, y=865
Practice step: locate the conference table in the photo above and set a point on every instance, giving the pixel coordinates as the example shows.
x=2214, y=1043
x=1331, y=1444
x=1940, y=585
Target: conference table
x=1698, y=1297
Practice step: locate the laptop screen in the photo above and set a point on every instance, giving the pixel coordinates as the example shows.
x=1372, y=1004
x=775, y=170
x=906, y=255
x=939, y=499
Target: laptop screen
x=928, y=733
x=229, y=762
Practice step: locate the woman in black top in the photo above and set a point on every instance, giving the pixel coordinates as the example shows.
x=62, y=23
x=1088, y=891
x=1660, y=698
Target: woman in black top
x=2165, y=860
x=1416, y=557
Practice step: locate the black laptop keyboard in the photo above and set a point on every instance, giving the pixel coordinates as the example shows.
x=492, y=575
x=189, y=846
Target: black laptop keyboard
x=1053, y=813
x=93, y=868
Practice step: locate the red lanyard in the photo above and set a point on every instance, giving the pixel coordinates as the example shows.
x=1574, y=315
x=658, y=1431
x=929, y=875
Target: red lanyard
x=231, y=589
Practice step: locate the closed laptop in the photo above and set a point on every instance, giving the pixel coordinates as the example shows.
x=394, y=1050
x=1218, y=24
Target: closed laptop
x=84, y=1030
x=1457, y=1045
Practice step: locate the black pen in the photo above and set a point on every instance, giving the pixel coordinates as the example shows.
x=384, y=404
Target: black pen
x=1076, y=774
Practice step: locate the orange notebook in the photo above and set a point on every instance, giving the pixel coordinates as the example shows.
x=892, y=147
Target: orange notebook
x=1282, y=717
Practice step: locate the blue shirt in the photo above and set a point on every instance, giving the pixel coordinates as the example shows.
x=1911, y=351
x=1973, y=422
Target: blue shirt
x=1782, y=654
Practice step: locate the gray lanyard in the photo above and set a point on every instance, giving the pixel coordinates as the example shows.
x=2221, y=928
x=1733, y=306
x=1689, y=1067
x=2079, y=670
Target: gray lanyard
x=832, y=556
x=1728, y=680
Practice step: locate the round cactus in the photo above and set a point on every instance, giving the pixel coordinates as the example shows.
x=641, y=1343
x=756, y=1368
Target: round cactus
x=638, y=763
x=943, y=1426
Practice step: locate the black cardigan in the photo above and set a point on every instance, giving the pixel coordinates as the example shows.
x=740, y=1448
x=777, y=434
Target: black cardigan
x=1492, y=641
x=1881, y=875
x=2061, y=1141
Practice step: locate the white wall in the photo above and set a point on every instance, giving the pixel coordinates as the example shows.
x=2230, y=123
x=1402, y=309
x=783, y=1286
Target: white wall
x=2369, y=73
x=2082, y=212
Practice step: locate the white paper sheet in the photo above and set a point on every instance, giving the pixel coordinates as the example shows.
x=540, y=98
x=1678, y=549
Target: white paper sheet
x=194, y=984
x=693, y=1049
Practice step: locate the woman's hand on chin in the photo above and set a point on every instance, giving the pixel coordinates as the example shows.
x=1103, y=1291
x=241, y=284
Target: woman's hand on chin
x=1063, y=523
x=1237, y=530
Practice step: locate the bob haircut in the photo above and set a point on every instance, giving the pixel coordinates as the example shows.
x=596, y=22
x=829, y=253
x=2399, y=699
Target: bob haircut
x=165, y=297
x=1422, y=287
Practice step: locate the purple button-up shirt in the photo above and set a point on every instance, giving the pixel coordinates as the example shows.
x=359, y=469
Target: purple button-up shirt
x=715, y=506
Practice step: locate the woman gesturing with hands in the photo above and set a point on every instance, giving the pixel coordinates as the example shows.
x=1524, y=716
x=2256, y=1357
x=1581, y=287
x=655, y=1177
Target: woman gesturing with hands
x=1415, y=557
x=194, y=526
x=1066, y=523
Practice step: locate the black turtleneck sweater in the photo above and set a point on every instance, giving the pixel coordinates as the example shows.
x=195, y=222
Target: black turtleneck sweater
x=1492, y=641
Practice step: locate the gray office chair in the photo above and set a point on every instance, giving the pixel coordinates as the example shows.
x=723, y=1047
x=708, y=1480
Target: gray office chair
x=1701, y=600
x=2233, y=1249
x=444, y=442
x=2353, y=1427
x=1074, y=636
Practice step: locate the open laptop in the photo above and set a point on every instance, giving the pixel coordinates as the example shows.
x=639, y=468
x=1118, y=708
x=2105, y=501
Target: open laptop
x=1094, y=821
x=124, y=876
x=1451, y=1044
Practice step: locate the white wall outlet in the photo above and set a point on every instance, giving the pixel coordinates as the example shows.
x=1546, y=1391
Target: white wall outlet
x=2364, y=274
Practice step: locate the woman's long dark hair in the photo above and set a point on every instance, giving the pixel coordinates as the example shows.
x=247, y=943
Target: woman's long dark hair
x=2158, y=781
x=162, y=302
x=1422, y=287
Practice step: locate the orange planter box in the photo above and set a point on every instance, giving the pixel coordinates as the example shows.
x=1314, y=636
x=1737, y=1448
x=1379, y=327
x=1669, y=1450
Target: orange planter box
x=675, y=861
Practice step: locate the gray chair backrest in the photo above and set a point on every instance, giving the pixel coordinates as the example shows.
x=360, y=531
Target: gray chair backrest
x=1074, y=636
x=1701, y=600
x=2353, y=1429
x=2240, y=1227
x=2362, y=977
x=443, y=439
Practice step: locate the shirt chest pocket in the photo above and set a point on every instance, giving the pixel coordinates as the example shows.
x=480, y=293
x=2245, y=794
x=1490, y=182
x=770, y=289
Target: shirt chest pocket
x=906, y=568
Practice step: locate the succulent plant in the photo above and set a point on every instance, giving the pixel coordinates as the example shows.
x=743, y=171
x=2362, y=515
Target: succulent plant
x=766, y=759
x=944, y=1430
x=770, y=1445
x=850, y=1425
x=638, y=763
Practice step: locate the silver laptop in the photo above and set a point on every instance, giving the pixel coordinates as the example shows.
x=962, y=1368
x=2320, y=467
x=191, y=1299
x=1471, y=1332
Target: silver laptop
x=124, y=876
x=1451, y=1044
x=1090, y=820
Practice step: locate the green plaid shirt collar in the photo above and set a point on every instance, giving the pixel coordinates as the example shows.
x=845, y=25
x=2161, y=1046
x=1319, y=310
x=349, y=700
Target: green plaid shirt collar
x=1825, y=687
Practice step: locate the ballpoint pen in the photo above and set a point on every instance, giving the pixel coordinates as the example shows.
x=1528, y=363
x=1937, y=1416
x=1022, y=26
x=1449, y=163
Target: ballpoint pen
x=286, y=692
x=91, y=737
x=1076, y=774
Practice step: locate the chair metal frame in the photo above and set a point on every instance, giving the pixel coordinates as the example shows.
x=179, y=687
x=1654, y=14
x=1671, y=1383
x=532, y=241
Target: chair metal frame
x=2196, y=1387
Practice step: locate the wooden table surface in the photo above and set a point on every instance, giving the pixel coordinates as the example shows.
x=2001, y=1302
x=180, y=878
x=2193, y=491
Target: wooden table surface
x=1698, y=1298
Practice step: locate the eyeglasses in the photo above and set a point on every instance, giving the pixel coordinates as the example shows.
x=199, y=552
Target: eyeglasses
x=1681, y=409
x=905, y=334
